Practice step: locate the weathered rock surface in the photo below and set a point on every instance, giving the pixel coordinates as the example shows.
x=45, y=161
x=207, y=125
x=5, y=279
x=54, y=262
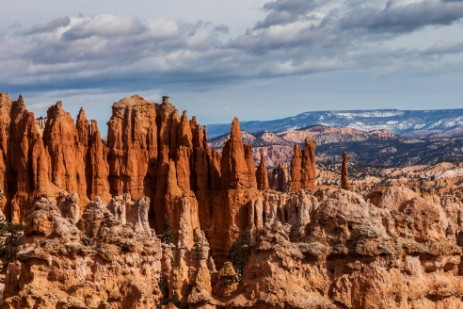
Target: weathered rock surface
x=237, y=165
x=154, y=217
x=345, y=184
x=133, y=144
x=279, y=177
x=356, y=255
x=62, y=140
x=100, y=263
x=303, y=168
x=262, y=175
x=27, y=162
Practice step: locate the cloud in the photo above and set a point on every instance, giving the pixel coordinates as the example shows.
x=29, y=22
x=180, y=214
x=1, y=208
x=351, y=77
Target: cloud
x=295, y=37
x=107, y=50
x=49, y=26
x=285, y=11
x=103, y=26
x=339, y=23
x=446, y=48
x=405, y=18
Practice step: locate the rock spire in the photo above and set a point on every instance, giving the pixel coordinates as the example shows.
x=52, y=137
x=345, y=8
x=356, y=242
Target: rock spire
x=303, y=169
x=344, y=173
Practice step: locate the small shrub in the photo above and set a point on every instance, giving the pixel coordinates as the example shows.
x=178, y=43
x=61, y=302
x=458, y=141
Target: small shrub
x=9, y=235
x=167, y=237
x=239, y=255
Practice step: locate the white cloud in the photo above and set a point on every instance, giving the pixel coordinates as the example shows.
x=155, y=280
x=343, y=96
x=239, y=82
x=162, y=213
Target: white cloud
x=295, y=37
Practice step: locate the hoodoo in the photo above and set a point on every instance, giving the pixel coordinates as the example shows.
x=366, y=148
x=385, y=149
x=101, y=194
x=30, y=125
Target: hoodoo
x=344, y=173
x=237, y=165
x=303, y=167
x=296, y=169
x=67, y=152
x=262, y=175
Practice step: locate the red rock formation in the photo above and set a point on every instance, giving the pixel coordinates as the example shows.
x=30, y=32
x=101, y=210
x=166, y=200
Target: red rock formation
x=303, y=170
x=238, y=187
x=67, y=154
x=201, y=169
x=168, y=122
x=296, y=169
x=279, y=177
x=28, y=162
x=185, y=136
x=99, y=239
x=237, y=165
x=215, y=174
x=162, y=180
x=182, y=165
x=207, y=208
x=5, y=119
x=98, y=170
x=83, y=129
x=133, y=147
x=261, y=175
x=344, y=175
x=309, y=170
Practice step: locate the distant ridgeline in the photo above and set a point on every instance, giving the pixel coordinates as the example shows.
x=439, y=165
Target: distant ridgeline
x=389, y=138
x=399, y=122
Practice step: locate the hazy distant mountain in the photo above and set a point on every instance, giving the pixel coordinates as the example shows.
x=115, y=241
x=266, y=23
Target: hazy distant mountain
x=373, y=148
x=414, y=123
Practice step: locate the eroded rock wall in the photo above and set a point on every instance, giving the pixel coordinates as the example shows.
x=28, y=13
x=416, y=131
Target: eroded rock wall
x=153, y=217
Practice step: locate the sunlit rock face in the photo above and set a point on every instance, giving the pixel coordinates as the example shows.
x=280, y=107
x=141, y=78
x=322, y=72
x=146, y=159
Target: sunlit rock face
x=153, y=217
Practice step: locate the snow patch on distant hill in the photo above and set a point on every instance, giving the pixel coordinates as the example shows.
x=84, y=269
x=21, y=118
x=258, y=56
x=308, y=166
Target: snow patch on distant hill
x=408, y=122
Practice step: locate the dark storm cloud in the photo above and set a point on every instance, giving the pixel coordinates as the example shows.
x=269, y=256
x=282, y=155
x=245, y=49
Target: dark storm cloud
x=295, y=37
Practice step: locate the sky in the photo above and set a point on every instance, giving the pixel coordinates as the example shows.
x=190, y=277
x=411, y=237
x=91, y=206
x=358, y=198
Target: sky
x=218, y=59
